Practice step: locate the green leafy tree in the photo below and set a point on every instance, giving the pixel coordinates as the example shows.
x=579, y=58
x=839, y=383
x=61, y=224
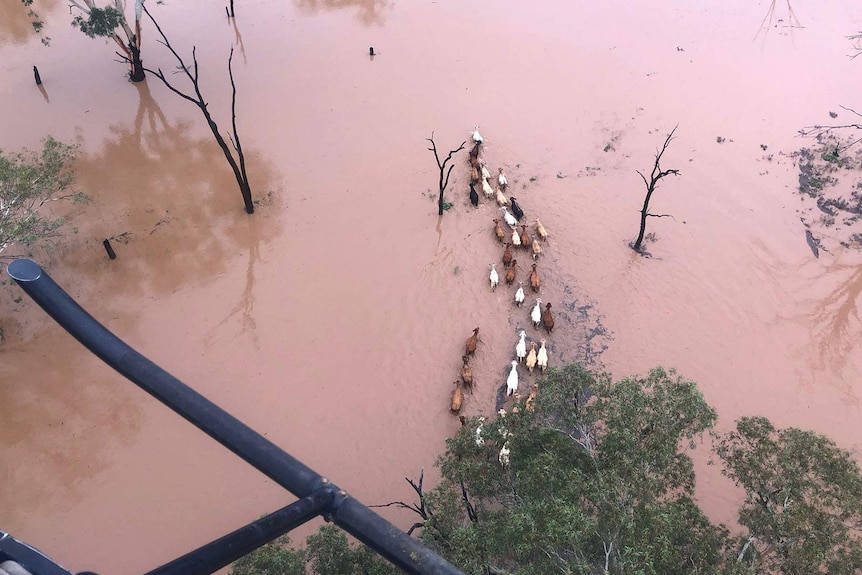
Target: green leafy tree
x=29, y=180
x=274, y=558
x=596, y=479
x=106, y=22
x=327, y=552
x=591, y=476
x=803, y=502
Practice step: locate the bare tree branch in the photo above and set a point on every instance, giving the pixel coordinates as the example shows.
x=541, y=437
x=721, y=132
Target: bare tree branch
x=122, y=46
x=442, y=166
x=854, y=38
x=850, y=110
x=646, y=183
x=419, y=509
x=655, y=176
x=819, y=130
x=237, y=164
x=400, y=504
x=235, y=140
x=471, y=511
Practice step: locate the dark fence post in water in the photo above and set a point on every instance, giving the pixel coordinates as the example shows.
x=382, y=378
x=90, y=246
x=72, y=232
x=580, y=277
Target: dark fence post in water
x=109, y=249
x=346, y=512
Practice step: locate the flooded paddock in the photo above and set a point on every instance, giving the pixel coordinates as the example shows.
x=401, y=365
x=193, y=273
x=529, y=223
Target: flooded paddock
x=333, y=320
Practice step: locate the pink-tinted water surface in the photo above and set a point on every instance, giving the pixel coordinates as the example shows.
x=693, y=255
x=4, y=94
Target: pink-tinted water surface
x=333, y=320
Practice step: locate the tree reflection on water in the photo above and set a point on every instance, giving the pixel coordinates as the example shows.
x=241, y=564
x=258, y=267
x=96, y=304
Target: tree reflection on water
x=368, y=12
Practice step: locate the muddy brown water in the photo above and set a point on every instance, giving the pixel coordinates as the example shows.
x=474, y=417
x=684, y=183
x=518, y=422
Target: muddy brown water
x=333, y=320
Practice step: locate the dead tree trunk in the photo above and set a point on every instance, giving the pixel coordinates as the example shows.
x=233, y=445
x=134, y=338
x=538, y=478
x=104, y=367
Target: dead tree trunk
x=132, y=49
x=443, y=183
x=656, y=175
x=237, y=163
x=137, y=74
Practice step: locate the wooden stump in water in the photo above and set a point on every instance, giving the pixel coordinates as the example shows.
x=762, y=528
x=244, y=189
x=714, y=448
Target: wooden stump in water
x=109, y=249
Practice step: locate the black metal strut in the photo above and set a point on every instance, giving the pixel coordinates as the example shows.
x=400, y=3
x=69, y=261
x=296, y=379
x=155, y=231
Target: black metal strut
x=345, y=511
x=225, y=550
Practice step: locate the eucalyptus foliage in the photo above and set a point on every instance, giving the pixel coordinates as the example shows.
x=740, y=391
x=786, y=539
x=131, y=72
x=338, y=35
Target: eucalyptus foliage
x=593, y=476
x=598, y=480
x=37, y=22
x=29, y=180
x=327, y=552
x=274, y=558
x=102, y=22
x=803, y=499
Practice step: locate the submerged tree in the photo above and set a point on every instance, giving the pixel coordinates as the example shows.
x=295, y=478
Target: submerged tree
x=441, y=204
x=29, y=180
x=656, y=175
x=237, y=163
x=105, y=22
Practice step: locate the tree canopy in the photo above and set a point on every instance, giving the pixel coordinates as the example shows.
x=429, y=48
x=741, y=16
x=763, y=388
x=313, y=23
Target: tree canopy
x=597, y=480
x=327, y=552
x=29, y=180
x=594, y=476
x=102, y=22
x=803, y=499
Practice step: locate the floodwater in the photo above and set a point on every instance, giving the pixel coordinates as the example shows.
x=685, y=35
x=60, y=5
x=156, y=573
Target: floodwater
x=333, y=320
